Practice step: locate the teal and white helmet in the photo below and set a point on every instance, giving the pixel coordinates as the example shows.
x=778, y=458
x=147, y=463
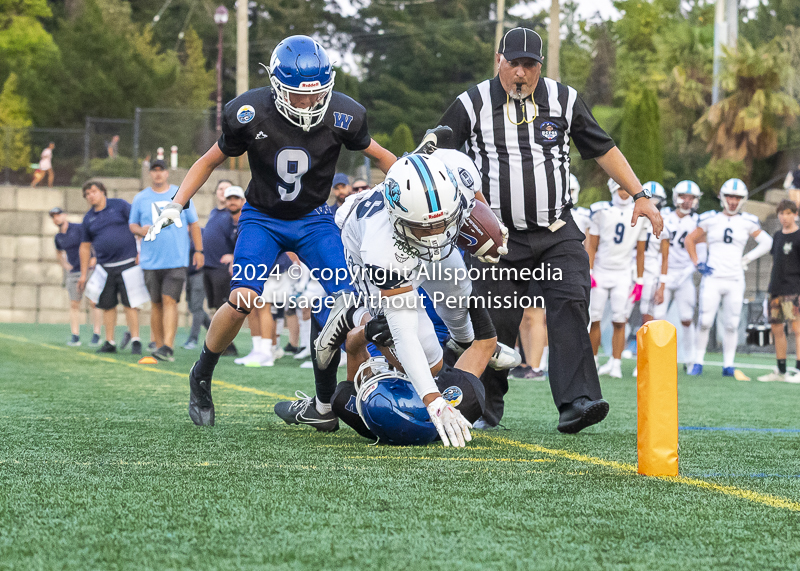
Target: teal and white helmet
x=685, y=187
x=425, y=205
x=733, y=187
x=657, y=191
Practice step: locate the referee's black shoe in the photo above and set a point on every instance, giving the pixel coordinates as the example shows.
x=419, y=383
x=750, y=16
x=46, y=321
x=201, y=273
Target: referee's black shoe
x=201, y=407
x=580, y=413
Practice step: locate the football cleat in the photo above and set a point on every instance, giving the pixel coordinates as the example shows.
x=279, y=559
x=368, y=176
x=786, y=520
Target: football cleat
x=772, y=377
x=727, y=371
x=201, y=407
x=304, y=411
x=504, y=358
x=616, y=370
x=334, y=333
x=696, y=370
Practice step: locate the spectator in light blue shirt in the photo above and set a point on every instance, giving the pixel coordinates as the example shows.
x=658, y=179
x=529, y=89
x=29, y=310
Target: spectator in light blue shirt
x=164, y=261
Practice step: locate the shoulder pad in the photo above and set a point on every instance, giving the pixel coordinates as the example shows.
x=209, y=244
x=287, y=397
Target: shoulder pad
x=345, y=113
x=598, y=206
x=750, y=217
x=706, y=215
x=666, y=211
x=247, y=107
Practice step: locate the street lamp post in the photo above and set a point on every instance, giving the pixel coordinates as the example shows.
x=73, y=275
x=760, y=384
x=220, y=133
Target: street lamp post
x=220, y=18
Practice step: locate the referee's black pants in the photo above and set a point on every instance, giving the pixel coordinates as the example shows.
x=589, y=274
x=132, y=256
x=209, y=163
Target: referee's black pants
x=572, y=370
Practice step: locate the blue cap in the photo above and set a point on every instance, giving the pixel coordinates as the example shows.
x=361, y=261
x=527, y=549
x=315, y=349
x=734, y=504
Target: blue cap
x=340, y=178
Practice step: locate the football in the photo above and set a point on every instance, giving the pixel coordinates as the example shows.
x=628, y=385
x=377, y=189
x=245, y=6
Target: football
x=480, y=234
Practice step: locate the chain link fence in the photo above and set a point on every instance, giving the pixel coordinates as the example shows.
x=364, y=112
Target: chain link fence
x=119, y=147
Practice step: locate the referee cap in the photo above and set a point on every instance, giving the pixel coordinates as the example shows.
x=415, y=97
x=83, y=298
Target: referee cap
x=521, y=42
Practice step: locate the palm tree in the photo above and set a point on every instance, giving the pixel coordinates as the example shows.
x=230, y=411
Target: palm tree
x=745, y=125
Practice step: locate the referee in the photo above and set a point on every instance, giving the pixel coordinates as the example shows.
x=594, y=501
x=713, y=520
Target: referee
x=517, y=128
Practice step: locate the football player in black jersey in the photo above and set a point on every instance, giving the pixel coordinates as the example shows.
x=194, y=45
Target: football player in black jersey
x=292, y=134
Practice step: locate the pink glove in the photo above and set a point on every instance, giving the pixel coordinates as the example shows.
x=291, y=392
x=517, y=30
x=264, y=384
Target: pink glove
x=594, y=283
x=636, y=293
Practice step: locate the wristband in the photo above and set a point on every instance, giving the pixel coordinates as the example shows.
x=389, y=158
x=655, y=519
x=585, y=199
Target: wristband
x=198, y=251
x=639, y=281
x=664, y=277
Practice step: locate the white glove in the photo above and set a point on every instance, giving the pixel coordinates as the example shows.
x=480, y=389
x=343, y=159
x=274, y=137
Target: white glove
x=169, y=214
x=453, y=428
x=745, y=263
x=502, y=250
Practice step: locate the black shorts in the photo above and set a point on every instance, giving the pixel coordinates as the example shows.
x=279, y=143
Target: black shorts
x=217, y=282
x=464, y=390
x=165, y=282
x=114, y=291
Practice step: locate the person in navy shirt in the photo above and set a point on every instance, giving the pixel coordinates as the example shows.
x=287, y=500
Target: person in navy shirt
x=164, y=262
x=68, y=244
x=105, y=229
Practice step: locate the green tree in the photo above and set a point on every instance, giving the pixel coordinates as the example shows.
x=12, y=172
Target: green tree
x=194, y=84
x=402, y=140
x=15, y=147
x=641, y=135
x=419, y=57
x=746, y=124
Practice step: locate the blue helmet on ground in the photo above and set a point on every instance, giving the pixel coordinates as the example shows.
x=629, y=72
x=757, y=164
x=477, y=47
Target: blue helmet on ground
x=391, y=408
x=299, y=66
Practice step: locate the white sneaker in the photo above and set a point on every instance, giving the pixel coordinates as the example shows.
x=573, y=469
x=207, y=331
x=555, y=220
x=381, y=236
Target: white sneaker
x=772, y=377
x=627, y=354
x=252, y=357
x=636, y=371
x=304, y=354
x=267, y=360
x=306, y=365
x=616, y=370
x=277, y=353
x=794, y=379
x=606, y=368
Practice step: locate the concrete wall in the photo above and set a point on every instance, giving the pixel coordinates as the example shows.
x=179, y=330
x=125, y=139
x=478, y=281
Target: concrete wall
x=31, y=279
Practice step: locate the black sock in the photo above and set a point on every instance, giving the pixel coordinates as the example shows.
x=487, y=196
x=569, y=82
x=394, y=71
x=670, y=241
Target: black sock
x=782, y=366
x=797, y=364
x=205, y=365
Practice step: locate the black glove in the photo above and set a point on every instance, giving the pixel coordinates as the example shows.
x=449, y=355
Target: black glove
x=438, y=137
x=377, y=331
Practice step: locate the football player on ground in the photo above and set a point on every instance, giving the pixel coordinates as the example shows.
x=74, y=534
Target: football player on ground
x=679, y=285
x=610, y=243
x=398, y=238
x=726, y=233
x=293, y=134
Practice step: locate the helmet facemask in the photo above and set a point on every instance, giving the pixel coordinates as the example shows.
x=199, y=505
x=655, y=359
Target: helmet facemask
x=433, y=239
x=726, y=208
x=307, y=117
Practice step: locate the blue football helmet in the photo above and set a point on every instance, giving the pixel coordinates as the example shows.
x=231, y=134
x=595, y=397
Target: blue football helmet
x=300, y=66
x=390, y=406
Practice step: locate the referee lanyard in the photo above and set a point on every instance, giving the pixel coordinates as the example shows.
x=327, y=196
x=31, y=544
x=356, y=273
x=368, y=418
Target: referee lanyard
x=524, y=111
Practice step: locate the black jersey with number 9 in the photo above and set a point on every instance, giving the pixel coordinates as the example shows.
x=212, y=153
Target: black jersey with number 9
x=292, y=170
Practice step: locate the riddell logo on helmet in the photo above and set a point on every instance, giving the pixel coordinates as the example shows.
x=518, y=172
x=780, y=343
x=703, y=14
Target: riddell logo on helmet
x=310, y=84
x=436, y=215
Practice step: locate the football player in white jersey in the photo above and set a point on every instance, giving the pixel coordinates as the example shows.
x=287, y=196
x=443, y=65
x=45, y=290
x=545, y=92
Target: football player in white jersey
x=679, y=286
x=610, y=243
x=656, y=258
x=400, y=237
x=580, y=214
x=726, y=233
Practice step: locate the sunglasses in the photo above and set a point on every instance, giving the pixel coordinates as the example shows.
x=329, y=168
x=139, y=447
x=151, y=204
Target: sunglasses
x=361, y=187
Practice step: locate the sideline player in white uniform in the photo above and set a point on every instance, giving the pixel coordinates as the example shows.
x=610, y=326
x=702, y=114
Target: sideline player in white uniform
x=580, y=214
x=726, y=233
x=681, y=221
x=610, y=243
x=656, y=259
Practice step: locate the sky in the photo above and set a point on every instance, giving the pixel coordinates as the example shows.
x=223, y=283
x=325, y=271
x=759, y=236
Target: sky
x=588, y=8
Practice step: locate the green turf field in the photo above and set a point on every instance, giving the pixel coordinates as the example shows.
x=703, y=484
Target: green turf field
x=101, y=468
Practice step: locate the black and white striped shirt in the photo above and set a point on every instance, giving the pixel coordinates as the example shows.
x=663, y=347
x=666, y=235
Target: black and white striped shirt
x=525, y=168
